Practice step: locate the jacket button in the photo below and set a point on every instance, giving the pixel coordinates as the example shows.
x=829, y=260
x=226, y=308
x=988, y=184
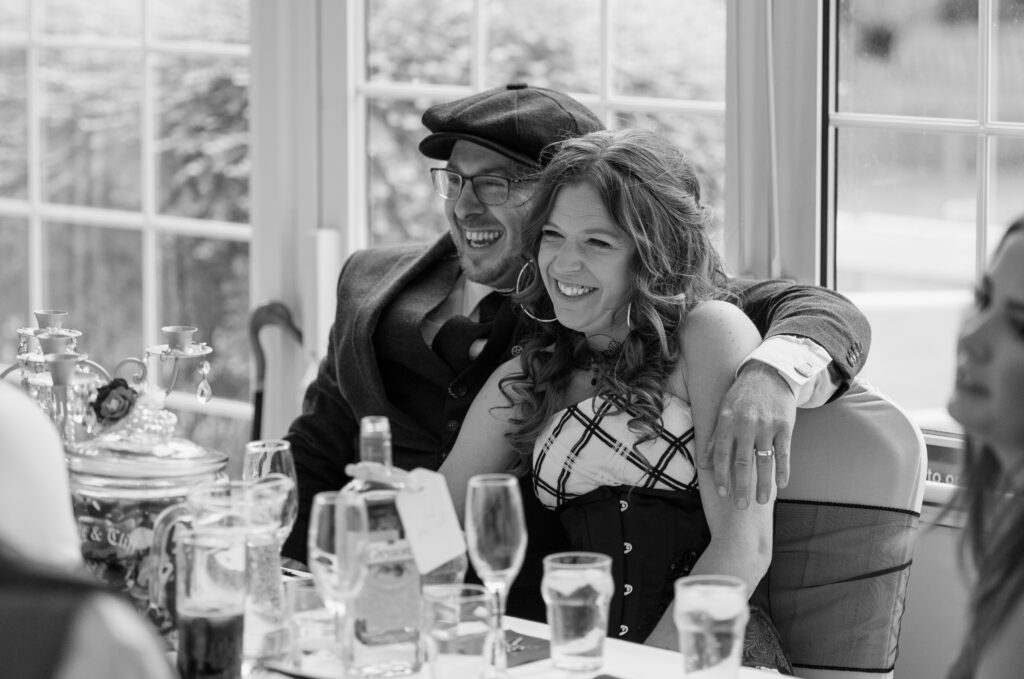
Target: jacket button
x=623, y=630
x=456, y=390
x=517, y=349
x=623, y=505
x=627, y=590
x=452, y=426
x=627, y=548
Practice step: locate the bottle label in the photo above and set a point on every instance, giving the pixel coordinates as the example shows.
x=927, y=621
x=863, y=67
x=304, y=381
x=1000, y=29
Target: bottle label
x=387, y=608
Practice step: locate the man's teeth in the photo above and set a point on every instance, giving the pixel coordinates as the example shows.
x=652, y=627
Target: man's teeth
x=481, y=239
x=572, y=290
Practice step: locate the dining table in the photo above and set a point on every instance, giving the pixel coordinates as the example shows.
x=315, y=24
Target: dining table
x=622, y=660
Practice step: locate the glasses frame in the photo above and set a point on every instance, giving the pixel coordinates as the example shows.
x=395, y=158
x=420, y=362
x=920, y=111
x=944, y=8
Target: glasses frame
x=436, y=172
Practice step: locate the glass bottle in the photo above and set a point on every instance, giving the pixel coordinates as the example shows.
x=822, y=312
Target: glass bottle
x=385, y=614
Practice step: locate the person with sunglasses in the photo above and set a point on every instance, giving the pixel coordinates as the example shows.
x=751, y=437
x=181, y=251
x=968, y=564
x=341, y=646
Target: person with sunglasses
x=419, y=329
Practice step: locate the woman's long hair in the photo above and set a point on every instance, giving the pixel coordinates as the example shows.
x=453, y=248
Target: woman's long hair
x=992, y=539
x=651, y=191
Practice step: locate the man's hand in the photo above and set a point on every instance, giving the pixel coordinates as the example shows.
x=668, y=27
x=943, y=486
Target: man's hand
x=757, y=413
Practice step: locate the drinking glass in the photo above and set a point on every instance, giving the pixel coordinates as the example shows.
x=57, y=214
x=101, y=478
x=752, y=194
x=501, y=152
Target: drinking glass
x=312, y=626
x=273, y=456
x=458, y=629
x=711, y=618
x=496, y=539
x=577, y=588
x=338, y=538
x=210, y=592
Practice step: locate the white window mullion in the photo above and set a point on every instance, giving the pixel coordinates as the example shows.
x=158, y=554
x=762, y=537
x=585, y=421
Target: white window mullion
x=35, y=107
x=147, y=144
x=478, y=45
x=984, y=140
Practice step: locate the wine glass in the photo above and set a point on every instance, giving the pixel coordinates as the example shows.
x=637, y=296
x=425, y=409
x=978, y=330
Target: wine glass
x=272, y=456
x=338, y=536
x=496, y=537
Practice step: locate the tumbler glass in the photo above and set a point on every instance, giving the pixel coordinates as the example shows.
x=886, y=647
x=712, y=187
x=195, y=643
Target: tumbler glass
x=711, y=619
x=577, y=588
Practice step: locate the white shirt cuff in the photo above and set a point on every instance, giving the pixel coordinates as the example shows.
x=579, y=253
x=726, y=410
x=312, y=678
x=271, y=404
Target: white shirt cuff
x=800, y=361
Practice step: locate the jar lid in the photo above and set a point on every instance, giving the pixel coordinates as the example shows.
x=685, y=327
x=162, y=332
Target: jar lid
x=140, y=447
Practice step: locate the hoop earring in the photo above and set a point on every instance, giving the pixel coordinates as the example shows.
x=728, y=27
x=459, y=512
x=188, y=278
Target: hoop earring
x=518, y=291
x=629, y=319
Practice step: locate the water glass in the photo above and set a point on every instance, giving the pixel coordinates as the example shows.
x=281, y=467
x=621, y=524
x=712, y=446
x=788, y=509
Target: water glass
x=210, y=592
x=312, y=626
x=273, y=456
x=577, y=588
x=711, y=619
x=458, y=630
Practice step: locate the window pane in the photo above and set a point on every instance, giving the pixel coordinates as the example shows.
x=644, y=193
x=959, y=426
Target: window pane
x=91, y=127
x=646, y=32
x=1008, y=62
x=110, y=18
x=1004, y=205
x=95, y=273
x=203, y=112
x=14, y=283
x=13, y=124
x=204, y=20
x=548, y=43
x=905, y=254
x=225, y=434
x=205, y=283
x=403, y=207
x=702, y=137
x=421, y=41
x=905, y=210
x=13, y=16
x=909, y=58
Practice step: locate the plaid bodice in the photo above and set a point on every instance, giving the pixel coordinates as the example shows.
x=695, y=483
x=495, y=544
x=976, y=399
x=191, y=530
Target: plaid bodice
x=589, y=444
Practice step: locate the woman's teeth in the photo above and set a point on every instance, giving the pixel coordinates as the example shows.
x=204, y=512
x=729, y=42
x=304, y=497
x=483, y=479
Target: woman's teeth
x=481, y=239
x=572, y=290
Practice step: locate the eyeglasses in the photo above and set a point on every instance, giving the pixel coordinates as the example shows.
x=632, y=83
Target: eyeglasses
x=490, y=189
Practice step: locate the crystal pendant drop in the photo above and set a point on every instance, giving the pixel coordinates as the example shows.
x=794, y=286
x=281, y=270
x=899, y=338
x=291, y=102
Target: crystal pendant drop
x=204, y=392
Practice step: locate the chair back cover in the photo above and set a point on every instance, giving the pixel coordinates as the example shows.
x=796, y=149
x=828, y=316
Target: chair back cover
x=844, y=535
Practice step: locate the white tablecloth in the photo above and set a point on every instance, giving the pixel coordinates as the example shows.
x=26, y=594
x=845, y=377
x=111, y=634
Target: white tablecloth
x=622, y=659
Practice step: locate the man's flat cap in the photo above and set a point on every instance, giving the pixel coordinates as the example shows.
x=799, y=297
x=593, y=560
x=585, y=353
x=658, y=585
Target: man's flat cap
x=517, y=121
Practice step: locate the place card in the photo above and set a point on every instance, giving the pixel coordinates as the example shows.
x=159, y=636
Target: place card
x=429, y=519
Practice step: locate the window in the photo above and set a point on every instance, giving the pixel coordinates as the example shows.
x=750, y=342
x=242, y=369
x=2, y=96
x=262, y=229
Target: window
x=124, y=184
x=926, y=126
x=623, y=58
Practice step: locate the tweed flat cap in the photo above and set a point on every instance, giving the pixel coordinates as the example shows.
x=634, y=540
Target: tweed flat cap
x=516, y=120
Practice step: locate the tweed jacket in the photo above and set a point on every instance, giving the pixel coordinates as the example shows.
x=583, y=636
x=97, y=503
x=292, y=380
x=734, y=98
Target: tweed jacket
x=378, y=364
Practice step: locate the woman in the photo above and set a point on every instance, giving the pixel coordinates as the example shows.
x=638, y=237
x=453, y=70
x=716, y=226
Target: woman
x=988, y=401
x=634, y=348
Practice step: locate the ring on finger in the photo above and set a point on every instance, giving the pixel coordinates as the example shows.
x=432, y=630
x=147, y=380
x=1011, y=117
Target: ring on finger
x=766, y=453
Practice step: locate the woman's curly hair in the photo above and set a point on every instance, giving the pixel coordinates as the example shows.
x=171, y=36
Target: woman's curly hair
x=651, y=191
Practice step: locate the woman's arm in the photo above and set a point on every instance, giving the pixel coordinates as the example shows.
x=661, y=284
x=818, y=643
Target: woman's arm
x=716, y=336
x=481, y=447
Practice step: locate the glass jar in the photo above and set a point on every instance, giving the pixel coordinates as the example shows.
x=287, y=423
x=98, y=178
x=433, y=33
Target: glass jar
x=120, y=481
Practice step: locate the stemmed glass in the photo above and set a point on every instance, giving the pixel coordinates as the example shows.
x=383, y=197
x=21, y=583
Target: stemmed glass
x=338, y=537
x=272, y=456
x=496, y=537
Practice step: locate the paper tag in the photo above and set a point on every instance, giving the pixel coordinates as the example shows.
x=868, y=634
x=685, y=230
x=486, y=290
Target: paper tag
x=429, y=520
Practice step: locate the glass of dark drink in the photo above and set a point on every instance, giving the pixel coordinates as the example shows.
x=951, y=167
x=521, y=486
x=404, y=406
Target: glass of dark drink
x=210, y=602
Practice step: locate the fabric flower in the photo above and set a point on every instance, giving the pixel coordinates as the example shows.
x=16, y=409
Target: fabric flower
x=113, y=401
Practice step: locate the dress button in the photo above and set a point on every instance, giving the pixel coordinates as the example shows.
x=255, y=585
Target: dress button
x=452, y=426
x=627, y=590
x=517, y=349
x=456, y=390
x=623, y=630
x=623, y=505
x=627, y=548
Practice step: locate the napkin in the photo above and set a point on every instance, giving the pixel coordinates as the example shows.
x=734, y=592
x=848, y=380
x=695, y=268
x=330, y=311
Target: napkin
x=525, y=649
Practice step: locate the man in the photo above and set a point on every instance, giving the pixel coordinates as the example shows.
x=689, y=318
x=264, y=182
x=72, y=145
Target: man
x=417, y=333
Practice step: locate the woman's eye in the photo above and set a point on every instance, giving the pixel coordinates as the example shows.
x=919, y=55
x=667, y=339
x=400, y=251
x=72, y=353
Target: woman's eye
x=603, y=245
x=549, y=234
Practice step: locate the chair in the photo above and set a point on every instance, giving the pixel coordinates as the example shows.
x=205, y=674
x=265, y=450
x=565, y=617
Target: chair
x=844, y=534
x=270, y=313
